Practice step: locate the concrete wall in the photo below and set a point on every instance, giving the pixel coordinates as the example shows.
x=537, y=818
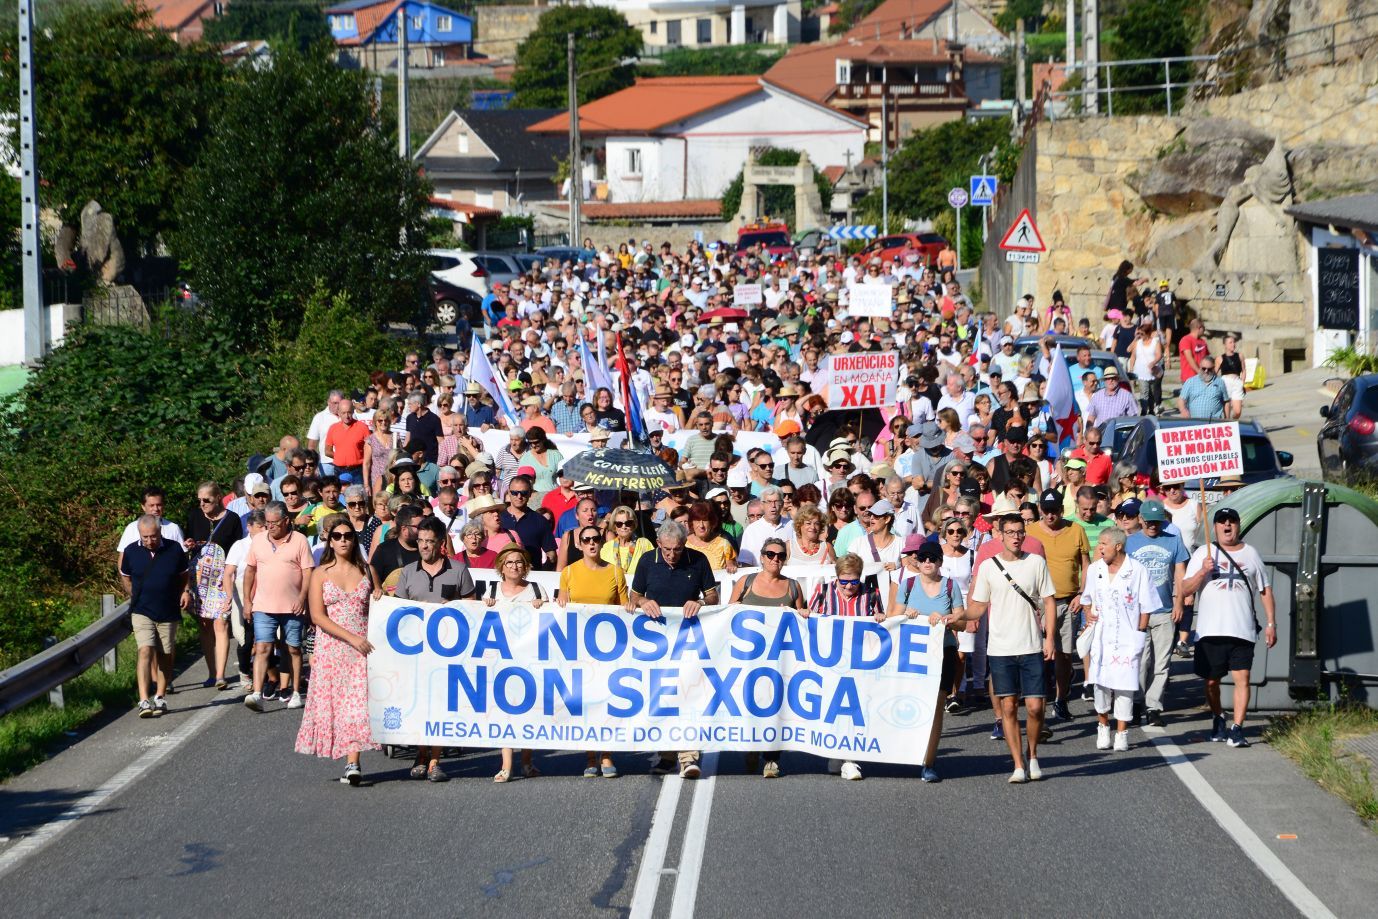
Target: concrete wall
x=12, y=330
x=499, y=29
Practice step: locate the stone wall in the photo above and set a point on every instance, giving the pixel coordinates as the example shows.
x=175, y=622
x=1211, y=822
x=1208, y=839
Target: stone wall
x=499, y=29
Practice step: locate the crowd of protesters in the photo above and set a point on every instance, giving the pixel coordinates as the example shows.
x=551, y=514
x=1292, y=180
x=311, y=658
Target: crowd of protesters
x=969, y=499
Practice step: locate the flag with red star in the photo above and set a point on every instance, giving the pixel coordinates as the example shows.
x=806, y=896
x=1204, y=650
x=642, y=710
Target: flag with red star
x=1062, y=405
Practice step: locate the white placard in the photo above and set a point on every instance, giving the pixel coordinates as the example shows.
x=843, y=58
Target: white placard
x=1201, y=451
x=873, y=300
x=747, y=295
x=867, y=379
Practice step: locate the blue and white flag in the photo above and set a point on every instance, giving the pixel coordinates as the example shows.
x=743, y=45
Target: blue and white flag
x=481, y=372
x=595, y=371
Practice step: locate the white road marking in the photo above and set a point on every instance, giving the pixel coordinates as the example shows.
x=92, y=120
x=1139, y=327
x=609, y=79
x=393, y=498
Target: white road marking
x=657, y=844
x=1248, y=841
x=695, y=839
x=160, y=750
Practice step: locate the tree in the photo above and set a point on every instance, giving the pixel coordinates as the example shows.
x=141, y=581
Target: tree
x=602, y=38
x=299, y=184
x=1151, y=29
x=1031, y=11
x=299, y=23
x=777, y=200
x=122, y=112
x=933, y=160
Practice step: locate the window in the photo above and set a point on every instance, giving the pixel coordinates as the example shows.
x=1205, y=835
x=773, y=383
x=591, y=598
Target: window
x=844, y=72
x=463, y=140
x=705, y=31
x=634, y=161
x=218, y=9
x=655, y=27
x=672, y=32
x=437, y=58
x=444, y=23
x=417, y=22
x=342, y=23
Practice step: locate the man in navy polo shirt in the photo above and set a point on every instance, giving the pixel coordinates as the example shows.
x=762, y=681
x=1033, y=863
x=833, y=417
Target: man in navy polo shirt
x=675, y=576
x=533, y=530
x=154, y=573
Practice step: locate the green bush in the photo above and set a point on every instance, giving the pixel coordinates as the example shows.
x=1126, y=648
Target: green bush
x=778, y=200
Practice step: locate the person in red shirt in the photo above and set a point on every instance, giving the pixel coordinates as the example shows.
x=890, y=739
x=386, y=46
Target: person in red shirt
x=1192, y=348
x=1098, y=462
x=344, y=442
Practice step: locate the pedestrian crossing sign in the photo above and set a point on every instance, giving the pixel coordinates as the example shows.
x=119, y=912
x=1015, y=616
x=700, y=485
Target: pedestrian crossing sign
x=983, y=190
x=1023, y=235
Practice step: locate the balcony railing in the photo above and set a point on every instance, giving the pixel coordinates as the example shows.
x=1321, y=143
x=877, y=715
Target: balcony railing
x=898, y=91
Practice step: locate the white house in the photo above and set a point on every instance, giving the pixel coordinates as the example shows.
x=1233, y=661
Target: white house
x=699, y=23
x=685, y=138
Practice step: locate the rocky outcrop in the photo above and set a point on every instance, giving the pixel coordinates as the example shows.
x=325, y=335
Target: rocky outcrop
x=1201, y=165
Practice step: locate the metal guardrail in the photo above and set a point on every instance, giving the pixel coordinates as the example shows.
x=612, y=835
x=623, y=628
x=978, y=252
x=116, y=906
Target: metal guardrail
x=46, y=671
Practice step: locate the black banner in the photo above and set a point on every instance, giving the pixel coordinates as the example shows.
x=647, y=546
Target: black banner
x=1337, y=288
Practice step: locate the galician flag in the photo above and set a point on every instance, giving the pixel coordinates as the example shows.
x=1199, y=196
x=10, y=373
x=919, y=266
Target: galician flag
x=481, y=372
x=595, y=370
x=1062, y=405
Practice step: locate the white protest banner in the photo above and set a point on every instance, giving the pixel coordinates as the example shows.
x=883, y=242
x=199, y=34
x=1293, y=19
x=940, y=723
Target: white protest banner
x=871, y=300
x=1200, y=451
x=867, y=379
x=595, y=677
x=747, y=295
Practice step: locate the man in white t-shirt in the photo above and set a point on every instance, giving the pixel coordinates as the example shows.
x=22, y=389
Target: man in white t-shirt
x=1120, y=596
x=1018, y=591
x=154, y=498
x=1230, y=584
x=321, y=424
x=771, y=523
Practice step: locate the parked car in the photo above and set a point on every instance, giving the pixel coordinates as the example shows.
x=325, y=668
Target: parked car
x=1348, y=440
x=815, y=244
x=458, y=267
x=1029, y=347
x=770, y=239
x=928, y=245
x=563, y=254
x=455, y=305
x=1115, y=433
x=502, y=267
x=1261, y=461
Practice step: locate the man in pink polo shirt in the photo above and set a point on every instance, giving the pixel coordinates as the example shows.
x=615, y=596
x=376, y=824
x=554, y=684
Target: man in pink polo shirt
x=276, y=581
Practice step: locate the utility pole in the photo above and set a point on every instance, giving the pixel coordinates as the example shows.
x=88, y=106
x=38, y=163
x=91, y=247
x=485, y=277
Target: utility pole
x=576, y=166
x=403, y=128
x=35, y=331
x=1021, y=87
x=1071, y=37
x=1090, y=24
x=884, y=160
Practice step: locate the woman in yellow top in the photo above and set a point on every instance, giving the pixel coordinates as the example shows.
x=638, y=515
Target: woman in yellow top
x=706, y=537
x=592, y=580
x=623, y=548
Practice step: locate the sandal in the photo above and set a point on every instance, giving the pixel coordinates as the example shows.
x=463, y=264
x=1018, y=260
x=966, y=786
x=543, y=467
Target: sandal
x=221, y=683
x=529, y=771
x=503, y=776
x=418, y=771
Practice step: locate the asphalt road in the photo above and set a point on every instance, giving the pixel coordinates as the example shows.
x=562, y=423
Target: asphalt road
x=234, y=822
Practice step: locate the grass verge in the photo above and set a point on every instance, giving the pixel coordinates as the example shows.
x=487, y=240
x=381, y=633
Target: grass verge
x=29, y=734
x=1312, y=739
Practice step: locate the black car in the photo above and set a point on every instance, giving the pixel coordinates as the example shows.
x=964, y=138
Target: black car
x=455, y=305
x=1261, y=461
x=1348, y=441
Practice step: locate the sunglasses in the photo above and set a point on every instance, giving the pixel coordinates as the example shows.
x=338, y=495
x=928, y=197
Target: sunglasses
x=622, y=523
x=356, y=504
x=289, y=494
x=773, y=555
x=342, y=535
x=955, y=531
x=589, y=541
x=765, y=465
x=518, y=494
x=848, y=582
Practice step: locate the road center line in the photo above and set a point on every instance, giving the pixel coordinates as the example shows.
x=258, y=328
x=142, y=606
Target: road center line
x=657, y=844
x=695, y=840
x=45, y=834
x=1272, y=867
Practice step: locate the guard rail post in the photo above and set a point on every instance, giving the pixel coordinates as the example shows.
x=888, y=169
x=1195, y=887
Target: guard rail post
x=55, y=696
x=111, y=660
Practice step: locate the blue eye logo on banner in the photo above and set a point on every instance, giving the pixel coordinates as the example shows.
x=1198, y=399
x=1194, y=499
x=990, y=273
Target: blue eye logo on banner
x=735, y=678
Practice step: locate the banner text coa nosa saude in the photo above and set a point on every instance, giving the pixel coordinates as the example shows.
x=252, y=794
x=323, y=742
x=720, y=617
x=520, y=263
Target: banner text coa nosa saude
x=596, y=677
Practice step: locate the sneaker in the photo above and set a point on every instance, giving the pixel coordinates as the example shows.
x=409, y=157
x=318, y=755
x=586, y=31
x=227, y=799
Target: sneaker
x=146, y=709
x=160, y=705
x=269, y=694
x=418, y=771
x=1218, y=729
x=953, y=706
x=295, y=701
x=254, y=701
x=1182, y=649
x=771, y=770
x=609, y=771
x=689, y=770
x=1102, y=737
x=1035, y=773
x=664, y=766
x=1155, y=718
x=592, y=772
x=1060, y=710
x=930, y=775
x=851, y=772
x=1121, y=741
x=1237, y=736
x=352, y=774
x=437, y=775
x=1045, y=733
x=834, y=767
x=998, y=732
x=1017, y=777
x=1088, y=693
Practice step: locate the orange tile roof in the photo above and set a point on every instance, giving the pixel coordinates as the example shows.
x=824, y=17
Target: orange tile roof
x=465, y=210
x=811, y=70
x=834, y=173
x=893, y=17
x=653, y=103
x=171, y=15
x=367, y=20
x=651, y=210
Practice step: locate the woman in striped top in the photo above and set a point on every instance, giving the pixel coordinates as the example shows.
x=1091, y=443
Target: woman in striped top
x=849, y=594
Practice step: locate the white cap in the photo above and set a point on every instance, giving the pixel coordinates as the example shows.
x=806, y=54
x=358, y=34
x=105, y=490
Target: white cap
x=737, y=478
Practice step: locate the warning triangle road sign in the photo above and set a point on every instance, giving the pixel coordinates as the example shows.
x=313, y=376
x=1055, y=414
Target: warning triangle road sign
x=1023, y=235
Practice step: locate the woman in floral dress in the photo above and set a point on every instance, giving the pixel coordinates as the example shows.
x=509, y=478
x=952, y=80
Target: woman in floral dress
x=335, y=721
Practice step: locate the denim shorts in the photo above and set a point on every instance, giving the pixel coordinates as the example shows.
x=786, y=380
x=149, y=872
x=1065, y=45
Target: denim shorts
x=1019, y=675
x=266, y=628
